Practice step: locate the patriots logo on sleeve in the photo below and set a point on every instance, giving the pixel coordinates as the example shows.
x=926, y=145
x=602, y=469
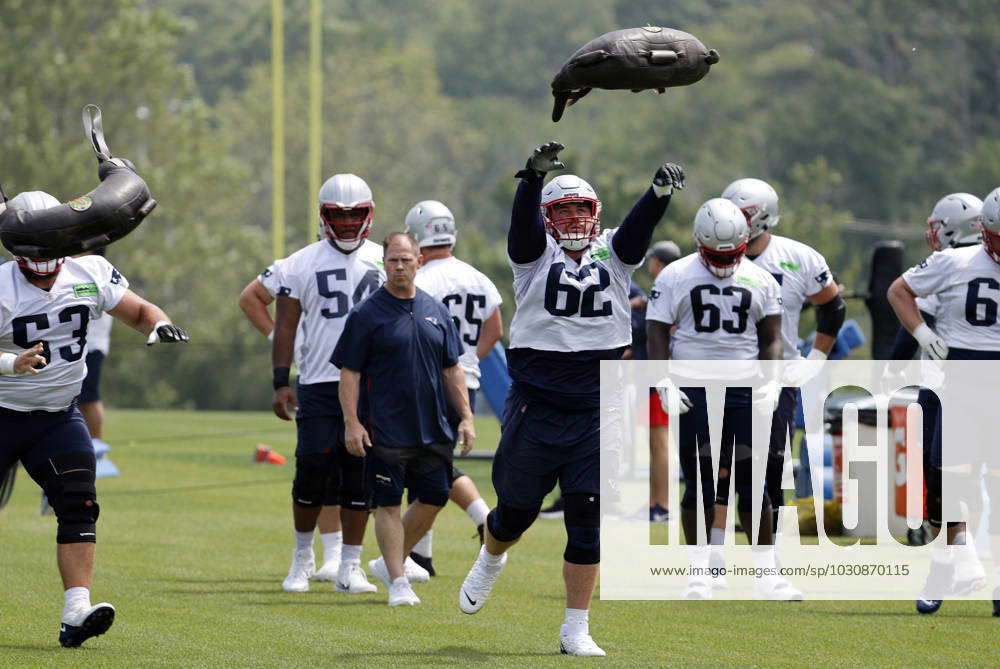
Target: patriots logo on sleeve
x=284, y=290
x=653, y=294
x=823, y=277
x=266, y=273
x=116, y=278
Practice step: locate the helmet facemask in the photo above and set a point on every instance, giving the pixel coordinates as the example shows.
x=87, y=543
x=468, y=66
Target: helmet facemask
x=991, y=241
x=722, y=263
x=40, y=267
x=573, y=233
x=346, y=227
x=934, y=235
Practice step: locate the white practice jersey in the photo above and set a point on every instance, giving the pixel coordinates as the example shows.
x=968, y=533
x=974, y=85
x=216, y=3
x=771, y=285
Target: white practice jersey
x=801, y=272
x=567, y=306
x=328, y=284
x=716, y=318
x=84, y=289
x=99, y=334
x=470, y=297
x=269, y=279
x=967, y=283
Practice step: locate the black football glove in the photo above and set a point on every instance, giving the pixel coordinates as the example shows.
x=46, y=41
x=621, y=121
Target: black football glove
x=667, y=178
x=168, y=333
x=544, y=159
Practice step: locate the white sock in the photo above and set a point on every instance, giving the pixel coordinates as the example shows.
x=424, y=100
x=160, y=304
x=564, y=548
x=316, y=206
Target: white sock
x=577, y=621
x=478, y=511
x=960, y=539
x=489, y=558
x=303, y=540
x=717, y=536
x=75, y=599
x=423, y=546
x=349, y=553
x=332, y=542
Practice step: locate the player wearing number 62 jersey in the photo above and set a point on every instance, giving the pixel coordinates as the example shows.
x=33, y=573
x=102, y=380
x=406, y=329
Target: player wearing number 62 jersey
x=317, y=287
x=45, y=308
x=571, y=284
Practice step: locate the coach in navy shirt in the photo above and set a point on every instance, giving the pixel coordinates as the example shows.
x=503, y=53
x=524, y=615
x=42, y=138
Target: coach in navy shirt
x=404, y=346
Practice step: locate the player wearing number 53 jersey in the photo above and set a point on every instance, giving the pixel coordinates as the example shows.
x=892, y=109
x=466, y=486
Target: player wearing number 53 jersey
x=317, y=287
x=45, y=308
x=571, y=284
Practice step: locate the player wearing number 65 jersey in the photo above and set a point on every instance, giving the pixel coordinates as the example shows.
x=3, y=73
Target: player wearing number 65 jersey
x=317, y=287
x=45, y=308
x=571, y=283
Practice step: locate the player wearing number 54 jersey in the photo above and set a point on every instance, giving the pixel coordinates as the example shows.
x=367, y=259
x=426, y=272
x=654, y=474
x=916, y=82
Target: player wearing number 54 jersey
x=571, y=284
x=317, y=287
x=45, y=308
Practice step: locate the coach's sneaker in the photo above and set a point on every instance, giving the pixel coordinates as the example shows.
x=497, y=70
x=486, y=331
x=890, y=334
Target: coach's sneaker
x=480, y=580
x=425, y=562
x=352, y=580
x=578, y=644
x=415, y=572
x=379, y=570
x=302, y=569
x=85, y=623
x=940, y=577
x=697, y=588
x=776, y=589
x=401, y=594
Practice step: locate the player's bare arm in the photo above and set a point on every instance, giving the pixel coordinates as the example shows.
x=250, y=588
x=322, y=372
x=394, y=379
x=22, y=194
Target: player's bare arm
x=254, y=301
x=148, y=319
x=355, y=434
x=287, y=314
x=904, y=302
x=458, y=396
x=658, y=340
x=769, y=338
x=490, y=335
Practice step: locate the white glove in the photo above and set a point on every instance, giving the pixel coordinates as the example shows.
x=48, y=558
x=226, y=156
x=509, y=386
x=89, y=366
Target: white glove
x=932, y=344
x=800, y=372
x=668, y=393
x=765, y=398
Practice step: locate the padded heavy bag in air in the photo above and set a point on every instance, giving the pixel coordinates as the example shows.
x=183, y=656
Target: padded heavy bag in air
x=633, y=59
x=102, y=216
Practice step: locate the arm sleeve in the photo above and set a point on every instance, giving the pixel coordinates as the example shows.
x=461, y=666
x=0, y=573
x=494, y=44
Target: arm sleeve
x=661, y=302
x=354, y=346
x=632, y=239
x=526, y=238
x=930, y=276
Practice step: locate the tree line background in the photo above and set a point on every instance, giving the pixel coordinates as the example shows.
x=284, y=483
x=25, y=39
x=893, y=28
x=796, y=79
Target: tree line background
x=861, y=113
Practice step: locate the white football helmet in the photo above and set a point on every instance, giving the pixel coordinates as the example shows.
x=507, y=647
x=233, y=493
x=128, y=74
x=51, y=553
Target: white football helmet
x=758, y=202
x=989, y=224
x=954, y=221
x=346, y=210
x=431, y=223
x=571, y=232
x=36, y=200
x=722, y=232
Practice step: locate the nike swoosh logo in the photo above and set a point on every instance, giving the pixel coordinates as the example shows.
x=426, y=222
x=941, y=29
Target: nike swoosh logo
x=342, y=585
x=471, y=600
x=62, y=628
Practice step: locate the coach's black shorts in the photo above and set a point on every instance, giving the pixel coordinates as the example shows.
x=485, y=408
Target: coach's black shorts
x=424, y=470
x=90, y=392
x=541, y=445
x=35, y=437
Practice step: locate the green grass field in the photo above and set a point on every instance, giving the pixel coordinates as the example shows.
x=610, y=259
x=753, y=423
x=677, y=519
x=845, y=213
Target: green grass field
x=195, y=538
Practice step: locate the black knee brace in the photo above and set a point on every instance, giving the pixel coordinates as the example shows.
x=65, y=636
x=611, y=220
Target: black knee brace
x=993, y=490
x=311, y=473
x=508, y=524
x=582, y=517
x=71, y=493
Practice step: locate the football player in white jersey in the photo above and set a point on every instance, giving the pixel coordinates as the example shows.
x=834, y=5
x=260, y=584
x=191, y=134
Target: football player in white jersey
x=474, y=303
x=45, y=308
x=723, y=309
x=804, y=278
x=966, y=282
x=254, y=301
x=316, y=288
x=571, y=283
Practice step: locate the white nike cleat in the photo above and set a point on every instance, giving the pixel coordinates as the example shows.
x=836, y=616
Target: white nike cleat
x=579, y=644
x=414, y=572
x=329, y=570
x=776, y=589
x=401, y=593
x=698, y=588
x=85, y=623
x=479, y=582
x=352, y=580
x=303, y=567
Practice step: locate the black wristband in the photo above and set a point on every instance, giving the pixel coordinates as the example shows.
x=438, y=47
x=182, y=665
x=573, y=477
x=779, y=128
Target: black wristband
x=281, y=375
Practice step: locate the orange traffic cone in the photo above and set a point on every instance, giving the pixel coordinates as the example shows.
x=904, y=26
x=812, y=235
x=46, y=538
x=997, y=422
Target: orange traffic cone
x=265, y=454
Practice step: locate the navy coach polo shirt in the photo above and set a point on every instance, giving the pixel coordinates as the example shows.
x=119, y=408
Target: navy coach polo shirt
x=400, y=347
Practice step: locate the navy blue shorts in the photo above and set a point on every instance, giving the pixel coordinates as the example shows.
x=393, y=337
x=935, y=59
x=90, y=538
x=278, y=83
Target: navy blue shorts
x=90, y=392
x=319, y=421
x=423, y=470
x=541, y=445
x=34, y=438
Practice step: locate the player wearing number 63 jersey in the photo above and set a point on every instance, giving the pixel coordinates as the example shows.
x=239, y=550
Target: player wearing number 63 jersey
x=46, y=305
x=571, y=284
x=317, y=287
